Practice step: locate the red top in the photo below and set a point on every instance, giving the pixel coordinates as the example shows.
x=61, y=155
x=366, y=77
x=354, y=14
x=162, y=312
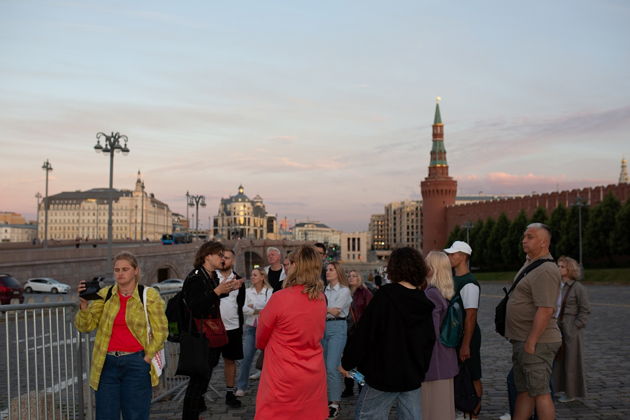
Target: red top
x=122, y=339
x=293, y=380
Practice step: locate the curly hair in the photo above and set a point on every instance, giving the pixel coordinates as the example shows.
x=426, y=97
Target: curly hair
x=207, y=248
x=407, y=264
x=574, y=272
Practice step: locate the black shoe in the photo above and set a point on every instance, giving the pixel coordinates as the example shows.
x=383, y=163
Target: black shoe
x=232, y=401
x=333, y=411
x=347, y=393
x=202, y=405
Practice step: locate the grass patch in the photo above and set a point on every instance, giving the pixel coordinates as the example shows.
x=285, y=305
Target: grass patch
x=593, y=276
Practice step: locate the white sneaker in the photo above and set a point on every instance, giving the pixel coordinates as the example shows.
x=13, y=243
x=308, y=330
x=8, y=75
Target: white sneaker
x=239, y=393
x=506, y=416
x=255, y=376
x=459, y=415
x=565, y=399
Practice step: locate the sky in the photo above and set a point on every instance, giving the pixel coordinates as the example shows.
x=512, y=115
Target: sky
x=322, y=108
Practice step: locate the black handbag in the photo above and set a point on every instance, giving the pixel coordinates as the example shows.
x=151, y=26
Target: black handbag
x=193, y=356
x=500, y=311
x=466, y=398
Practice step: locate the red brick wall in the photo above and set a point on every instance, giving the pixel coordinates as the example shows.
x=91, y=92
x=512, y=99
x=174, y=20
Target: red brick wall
x=459, y=214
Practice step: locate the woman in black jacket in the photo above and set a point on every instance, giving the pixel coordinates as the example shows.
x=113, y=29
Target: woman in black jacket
x=393, y=341
x=202, y=293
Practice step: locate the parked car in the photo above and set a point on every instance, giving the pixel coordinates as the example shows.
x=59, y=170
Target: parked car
x=10, y=289
x=170, y=285
x=46, y=284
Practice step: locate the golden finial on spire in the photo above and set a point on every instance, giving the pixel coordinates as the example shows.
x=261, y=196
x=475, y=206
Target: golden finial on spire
x=438, y=99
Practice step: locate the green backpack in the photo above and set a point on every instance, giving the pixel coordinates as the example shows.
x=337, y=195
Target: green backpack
x=452, y=328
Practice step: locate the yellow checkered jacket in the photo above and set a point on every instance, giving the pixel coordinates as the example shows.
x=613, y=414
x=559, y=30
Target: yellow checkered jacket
x=100, y=315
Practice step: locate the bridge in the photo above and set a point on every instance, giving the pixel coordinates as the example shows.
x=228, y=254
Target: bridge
x=157, y=262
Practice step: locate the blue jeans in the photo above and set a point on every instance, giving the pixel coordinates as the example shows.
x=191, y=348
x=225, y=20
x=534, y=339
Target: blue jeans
x=334, y=341
x=249, y=351
x=124, y=387
x=373, y=404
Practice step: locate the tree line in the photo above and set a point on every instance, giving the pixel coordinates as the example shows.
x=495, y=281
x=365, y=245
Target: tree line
x=497, y=246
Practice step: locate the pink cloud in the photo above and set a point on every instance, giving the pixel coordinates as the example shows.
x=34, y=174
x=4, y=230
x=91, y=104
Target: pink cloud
x=507, y=183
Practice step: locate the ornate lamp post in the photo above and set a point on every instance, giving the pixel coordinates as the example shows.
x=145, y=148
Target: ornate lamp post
x=187, y=205
x=38, y=196
x=111, y=144
x=196, y=201
x=579, y=203
x=47, y=167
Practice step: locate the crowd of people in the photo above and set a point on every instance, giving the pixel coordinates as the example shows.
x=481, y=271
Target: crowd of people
x=315, y=332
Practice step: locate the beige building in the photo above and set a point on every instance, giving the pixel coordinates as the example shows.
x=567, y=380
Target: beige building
x=17, y=233
x=316, y=232
x=399, y=226
x=242, y=217
x=354, y=246
x=11, y=218
x=83, y=214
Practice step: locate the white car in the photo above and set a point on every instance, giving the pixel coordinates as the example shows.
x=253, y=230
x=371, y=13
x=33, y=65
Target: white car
x=170, y=285
x=45, y=284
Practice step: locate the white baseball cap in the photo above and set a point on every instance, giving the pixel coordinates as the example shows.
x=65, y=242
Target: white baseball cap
x=459, y=246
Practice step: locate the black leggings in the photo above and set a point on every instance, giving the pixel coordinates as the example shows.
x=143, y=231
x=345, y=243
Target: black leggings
x=197, y=386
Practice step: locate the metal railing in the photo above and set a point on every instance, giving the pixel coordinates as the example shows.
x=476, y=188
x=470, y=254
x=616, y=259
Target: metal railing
x=45, y=371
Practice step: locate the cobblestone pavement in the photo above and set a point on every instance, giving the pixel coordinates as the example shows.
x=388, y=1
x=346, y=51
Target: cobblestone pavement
x=607, y=365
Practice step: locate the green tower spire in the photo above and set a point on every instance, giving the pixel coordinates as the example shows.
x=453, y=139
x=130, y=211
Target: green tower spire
x=438, y=117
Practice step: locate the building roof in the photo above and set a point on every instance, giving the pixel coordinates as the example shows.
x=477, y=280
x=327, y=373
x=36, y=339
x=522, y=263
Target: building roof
x=311, y=224
x=95, y=193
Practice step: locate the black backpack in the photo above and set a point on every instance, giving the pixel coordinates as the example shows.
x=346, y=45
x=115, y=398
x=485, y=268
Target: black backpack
x=178, y=316
x=140, y=292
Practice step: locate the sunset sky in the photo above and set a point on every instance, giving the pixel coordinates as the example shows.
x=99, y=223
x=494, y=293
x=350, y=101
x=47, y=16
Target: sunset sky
x=324, y=108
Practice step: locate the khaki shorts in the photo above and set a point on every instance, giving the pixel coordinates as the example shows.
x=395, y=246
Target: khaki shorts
x=532, y=372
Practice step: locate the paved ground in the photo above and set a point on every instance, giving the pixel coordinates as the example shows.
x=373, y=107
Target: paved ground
x=607, y=349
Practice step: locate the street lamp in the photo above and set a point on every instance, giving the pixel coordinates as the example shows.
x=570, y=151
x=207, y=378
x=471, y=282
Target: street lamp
x=468, y=225
x=111, y=144
x=579, y=203
x=38, y=196
x=47, y=167
x=196, y=201
x=187, y=205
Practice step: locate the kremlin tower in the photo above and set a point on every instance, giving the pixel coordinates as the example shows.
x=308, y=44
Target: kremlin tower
x=438, y=191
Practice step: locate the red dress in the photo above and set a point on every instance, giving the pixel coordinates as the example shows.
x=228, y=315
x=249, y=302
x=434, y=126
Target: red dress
x=293, y=380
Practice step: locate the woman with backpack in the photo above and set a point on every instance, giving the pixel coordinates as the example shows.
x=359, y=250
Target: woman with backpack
x=122, y=373
x=438, y=401
x=256, y=297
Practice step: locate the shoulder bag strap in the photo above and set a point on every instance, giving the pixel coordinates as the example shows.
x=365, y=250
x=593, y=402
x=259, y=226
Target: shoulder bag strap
x=564, y=302
x=146, y=314
x=526, y=271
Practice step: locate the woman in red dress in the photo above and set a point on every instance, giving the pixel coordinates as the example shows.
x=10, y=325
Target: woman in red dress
x=290, y=330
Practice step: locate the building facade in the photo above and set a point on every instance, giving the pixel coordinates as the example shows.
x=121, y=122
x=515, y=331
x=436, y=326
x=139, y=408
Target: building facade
x=11, y=218
x=403, y=224
x=378, y=232
x=354, y=246
x=242, y=217
x=316, y=232
x=17, y=233
x=83, y=215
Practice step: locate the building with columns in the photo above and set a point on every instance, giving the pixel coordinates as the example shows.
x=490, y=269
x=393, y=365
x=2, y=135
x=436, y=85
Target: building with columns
x=354, y=246
x=438, y=191
x=83, y=215
x=242, y=217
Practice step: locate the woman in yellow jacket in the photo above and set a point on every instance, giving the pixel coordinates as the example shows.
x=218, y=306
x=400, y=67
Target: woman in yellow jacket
x=121, y=373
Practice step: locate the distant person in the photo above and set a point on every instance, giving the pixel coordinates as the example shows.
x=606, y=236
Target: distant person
x=321, y=250
x=572, y=314
x=121, y=372
x=393, y=341
x=361, y=297
x=338, y=298
x=275, y=270
x=290, y=330
x=256, y=298
x=531, y=327
x=233, y=319
x=438, y=398
x=468, y=289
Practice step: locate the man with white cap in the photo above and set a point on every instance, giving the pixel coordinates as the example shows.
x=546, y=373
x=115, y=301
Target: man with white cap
x=467, y=287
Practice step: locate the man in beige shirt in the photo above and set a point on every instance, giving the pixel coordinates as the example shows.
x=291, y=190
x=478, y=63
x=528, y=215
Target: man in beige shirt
x=532, y=329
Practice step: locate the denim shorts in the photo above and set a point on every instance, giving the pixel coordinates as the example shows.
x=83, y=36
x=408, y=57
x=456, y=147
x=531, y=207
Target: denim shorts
x=532, y=372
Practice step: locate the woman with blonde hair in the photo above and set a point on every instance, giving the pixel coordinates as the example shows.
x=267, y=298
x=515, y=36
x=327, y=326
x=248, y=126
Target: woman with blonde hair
x=256, y=298
x=438, y=400
x=339, y=298
x=290, y=330
x=122, y=373
x=572, y=313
